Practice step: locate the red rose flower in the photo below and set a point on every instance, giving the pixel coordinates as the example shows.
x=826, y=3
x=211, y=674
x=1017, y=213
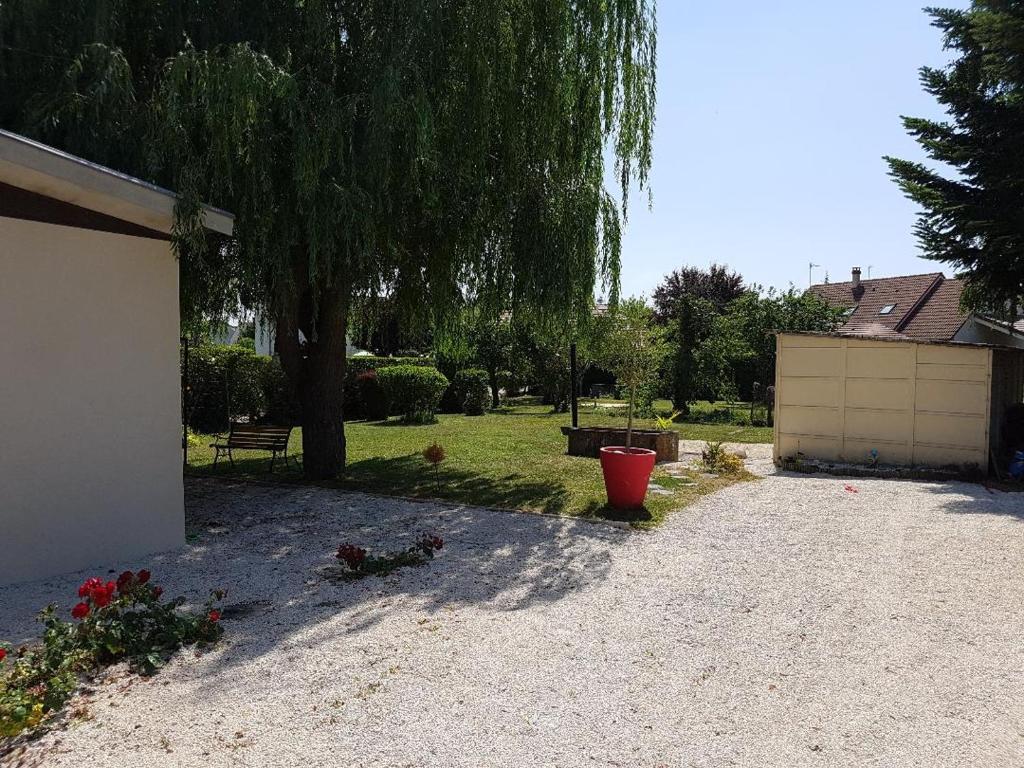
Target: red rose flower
x=80, y=611
x=102, y=594
x=3, y=655
x=125, y=580
x=157, y=591
x=89, y=586
x=143, y=576
x=214, y=616
x=352, y=555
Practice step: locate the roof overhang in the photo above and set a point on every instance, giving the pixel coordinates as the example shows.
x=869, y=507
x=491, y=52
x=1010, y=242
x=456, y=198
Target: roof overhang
x=995, y=325
x=41, y=169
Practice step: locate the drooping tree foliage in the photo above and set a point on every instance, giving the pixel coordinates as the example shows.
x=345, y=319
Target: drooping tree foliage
x=437, y=151
x=973, y=218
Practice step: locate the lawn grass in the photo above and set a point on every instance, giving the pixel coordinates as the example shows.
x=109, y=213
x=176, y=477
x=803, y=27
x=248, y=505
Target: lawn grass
x=513, y=457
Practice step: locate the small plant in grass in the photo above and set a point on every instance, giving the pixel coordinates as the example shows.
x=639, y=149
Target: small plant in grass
x=434, y=454
x=665, y=424
x=360, y=564
x=715, y=458
x=113, y=621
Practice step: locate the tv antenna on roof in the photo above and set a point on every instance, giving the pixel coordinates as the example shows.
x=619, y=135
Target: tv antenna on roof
x=810, y=271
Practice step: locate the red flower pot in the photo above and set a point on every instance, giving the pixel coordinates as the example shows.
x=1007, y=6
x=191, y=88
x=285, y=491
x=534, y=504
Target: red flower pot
x=626, y=474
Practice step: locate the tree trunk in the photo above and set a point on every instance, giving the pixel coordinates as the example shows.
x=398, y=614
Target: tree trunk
x=317, y=373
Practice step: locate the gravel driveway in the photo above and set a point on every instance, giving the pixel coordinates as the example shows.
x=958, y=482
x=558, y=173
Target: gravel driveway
x=782, y=622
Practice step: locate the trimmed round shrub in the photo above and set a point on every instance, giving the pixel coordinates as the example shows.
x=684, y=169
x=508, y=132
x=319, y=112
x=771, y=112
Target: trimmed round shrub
x=476, y=402
x=372, y=399
x=413, y=392
x=472, y=390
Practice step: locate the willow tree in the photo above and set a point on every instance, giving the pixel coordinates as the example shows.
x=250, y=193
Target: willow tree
x=437, y=151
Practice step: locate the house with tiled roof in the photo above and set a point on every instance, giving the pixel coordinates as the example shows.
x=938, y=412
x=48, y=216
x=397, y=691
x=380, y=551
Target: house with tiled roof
x=913, y=307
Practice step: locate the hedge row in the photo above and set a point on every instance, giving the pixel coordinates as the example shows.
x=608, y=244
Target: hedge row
x=232, y=382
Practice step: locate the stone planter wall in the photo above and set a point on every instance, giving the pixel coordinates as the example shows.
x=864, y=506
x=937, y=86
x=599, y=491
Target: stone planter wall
x=588, y=441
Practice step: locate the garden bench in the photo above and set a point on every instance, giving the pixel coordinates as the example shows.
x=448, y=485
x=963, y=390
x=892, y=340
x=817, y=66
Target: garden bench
x=252, y=437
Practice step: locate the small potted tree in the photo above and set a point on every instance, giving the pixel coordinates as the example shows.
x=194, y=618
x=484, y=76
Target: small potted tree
x=633, y=349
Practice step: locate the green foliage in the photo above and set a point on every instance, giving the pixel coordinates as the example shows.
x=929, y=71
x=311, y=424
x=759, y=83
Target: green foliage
x=716, y=285
x=715, y=458
x=360, y=564
x=413, y=392
x=541, y=350
x=470, y=389
x=971, y=193
x=453, y=152
x=478, y=399
x=633, y=349
x=232, y=381
x=373, y=399
x=115, y=621
x=720, y=355
x=372, y=407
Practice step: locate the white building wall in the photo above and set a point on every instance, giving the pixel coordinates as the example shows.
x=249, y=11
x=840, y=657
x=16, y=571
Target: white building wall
x=90, y=455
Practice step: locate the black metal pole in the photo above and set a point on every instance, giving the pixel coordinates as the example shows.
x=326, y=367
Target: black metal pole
x=575, y=386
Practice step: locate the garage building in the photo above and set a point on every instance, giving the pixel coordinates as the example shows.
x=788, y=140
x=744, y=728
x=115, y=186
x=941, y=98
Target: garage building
x=859, y=399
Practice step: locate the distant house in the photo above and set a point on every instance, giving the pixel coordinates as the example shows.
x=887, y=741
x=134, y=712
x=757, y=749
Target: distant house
x=914, y=308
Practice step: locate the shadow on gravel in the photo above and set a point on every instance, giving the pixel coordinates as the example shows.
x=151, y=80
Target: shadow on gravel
x=272, y=547
x=980, y=498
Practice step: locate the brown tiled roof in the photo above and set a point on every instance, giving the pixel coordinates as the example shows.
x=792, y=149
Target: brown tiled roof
x=940, y=317
x=908, y=294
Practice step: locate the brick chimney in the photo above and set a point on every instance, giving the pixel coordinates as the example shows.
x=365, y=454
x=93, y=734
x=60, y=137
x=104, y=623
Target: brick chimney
x=856, y=277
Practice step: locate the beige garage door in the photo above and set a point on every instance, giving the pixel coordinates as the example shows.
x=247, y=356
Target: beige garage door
x=837, y=399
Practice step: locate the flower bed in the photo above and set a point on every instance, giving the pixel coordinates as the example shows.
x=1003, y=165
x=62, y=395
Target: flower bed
x=113, y=621
x=361, y=564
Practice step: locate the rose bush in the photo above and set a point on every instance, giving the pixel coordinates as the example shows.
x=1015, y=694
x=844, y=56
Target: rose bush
x=360, y=564
x=113, y=621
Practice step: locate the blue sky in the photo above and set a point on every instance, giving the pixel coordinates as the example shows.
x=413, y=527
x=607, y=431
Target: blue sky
x=772, y=122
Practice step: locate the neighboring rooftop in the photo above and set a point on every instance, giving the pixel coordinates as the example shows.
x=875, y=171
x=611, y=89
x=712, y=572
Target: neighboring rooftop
x=911, y=306
x=40, y=169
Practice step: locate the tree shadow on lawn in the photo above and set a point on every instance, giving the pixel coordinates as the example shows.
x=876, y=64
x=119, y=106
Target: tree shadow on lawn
x=409, y=476
x=273, y=548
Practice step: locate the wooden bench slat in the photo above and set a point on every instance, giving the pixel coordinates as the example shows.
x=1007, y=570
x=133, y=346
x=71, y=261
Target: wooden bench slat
x=253, y=437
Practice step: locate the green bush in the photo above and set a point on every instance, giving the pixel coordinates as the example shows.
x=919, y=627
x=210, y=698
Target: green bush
x=413, y=392
x=476, y=402
x=715, y=458
x=232, y=382
x=471, y=389
x=355, y=367
x=373, y=403
x=229, y=382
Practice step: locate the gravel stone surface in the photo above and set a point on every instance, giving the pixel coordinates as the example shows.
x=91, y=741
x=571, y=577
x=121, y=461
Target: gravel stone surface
x=786, y=621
